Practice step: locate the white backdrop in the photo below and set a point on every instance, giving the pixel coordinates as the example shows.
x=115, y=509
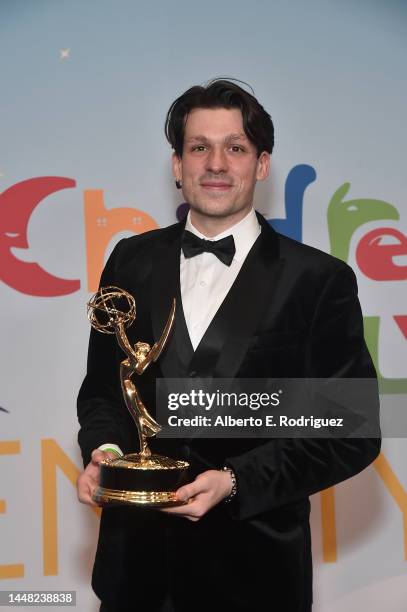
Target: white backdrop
x=85, y=89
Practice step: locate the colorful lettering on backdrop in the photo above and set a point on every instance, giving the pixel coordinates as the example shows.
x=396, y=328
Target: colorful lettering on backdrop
x=378, y=252
x=17, y=204
x=54, y=460
x=380, y=255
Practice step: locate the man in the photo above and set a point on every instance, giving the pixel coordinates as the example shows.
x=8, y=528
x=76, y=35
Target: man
x=257, y=305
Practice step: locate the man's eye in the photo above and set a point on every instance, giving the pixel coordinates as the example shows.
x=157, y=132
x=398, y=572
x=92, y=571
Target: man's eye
x=236, y=148
x=198, y=148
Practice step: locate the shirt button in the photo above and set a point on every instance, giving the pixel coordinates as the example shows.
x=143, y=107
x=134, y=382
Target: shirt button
x=203, y=284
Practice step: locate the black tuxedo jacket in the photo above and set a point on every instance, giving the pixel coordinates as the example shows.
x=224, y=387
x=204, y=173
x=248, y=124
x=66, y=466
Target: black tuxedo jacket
x=293, y=311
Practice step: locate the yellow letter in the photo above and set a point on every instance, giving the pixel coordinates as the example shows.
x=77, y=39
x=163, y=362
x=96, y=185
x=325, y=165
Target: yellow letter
x=328, y=522
x=396, y=490
x=52, y=456
x=101, y=224
x=16, y=570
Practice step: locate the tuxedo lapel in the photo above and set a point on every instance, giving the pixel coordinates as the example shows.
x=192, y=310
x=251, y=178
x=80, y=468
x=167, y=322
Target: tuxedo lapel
x=225, y=343
x=166, y=286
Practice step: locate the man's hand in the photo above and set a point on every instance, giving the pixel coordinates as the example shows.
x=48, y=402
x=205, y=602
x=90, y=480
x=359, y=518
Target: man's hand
x=88, y=480
x=205, y=492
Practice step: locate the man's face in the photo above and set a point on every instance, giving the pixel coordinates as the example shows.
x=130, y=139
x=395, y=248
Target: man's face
x=219, y=165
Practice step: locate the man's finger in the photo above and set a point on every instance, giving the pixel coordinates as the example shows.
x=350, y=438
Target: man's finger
x=191, y=510
x=89, y=479
x=191, y=489
x=99, y=455
x=85, y=490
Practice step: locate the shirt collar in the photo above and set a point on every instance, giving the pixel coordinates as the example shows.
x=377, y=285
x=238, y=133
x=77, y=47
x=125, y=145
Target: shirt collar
x=245, y=232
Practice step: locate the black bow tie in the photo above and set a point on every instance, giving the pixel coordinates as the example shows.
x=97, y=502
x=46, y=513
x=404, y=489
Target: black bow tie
x=224, y=249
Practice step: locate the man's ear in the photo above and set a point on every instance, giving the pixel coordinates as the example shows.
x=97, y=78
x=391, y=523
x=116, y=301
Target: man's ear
x=176, y=167
x=263, y=166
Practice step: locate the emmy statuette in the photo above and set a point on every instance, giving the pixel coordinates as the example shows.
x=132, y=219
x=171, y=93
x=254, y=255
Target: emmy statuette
x=141, y=479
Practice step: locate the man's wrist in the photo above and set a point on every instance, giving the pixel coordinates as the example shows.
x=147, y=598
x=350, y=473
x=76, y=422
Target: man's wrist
x=233, y=491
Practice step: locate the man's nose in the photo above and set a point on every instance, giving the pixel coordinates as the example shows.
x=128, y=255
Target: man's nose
x=216, y=160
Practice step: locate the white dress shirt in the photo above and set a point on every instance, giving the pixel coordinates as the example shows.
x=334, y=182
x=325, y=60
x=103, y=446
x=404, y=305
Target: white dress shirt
x=205, y=281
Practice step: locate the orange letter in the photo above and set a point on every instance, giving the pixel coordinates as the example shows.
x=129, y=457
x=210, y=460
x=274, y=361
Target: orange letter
x=101, y=224
x=328, y=522
x=52, y=456
x=16, y=570
x=396, y=490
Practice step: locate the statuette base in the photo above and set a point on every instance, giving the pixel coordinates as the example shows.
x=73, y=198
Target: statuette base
x=141, y=481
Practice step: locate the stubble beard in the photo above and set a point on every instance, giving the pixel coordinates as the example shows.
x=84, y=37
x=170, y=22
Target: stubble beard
x=215, y=208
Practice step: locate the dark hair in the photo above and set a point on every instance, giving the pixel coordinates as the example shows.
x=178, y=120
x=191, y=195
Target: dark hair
x=220, y=93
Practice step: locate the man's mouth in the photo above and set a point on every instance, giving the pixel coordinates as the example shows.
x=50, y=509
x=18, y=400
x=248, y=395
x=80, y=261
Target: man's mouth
x=216, y=185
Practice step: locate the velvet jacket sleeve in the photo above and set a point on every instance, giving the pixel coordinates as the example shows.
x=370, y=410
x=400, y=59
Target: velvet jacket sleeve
x=99, y=399
x=285, y=471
